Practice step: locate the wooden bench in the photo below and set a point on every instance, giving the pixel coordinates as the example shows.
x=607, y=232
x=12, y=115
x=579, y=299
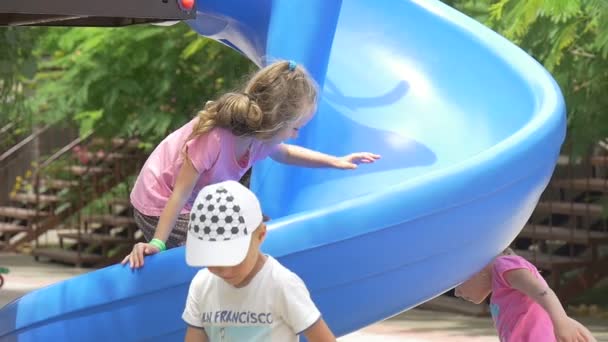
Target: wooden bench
x=67, y=256
x=31, y=198
x=582, y=184
x=552, y=262
x=581, y=236
x=93, y=238
x=21, y=213
x=570, y=208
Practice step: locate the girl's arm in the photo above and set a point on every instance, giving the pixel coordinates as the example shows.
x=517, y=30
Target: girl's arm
x=184, y=183
x=566, y=329
x=300, y=156
x=195, y=335
x=319, y=332
x=186, y=179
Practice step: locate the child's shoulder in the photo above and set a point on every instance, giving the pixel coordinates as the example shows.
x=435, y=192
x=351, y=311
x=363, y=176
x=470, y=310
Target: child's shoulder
x=215, y=133
x=282, y=275
x=221, y=133
x=513, y=258
x=202, y=278
x=510, y=262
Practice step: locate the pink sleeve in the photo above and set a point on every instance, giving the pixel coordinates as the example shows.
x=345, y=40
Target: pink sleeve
x=264, y=150
x=203, y=150
x=504, y=264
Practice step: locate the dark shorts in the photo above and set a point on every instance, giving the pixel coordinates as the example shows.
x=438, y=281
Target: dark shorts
x=147, y=225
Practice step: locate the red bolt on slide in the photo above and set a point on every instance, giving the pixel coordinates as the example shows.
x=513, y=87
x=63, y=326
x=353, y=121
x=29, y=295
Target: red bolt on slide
x=186, y=5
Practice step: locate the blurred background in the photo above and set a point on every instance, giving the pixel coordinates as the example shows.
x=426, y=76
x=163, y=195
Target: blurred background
x=80, y=109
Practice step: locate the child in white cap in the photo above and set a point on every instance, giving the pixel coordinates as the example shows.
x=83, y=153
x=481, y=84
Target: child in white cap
x=243, y=294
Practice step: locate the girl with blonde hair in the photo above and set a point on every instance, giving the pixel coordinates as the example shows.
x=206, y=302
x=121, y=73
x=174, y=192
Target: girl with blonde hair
x=221, y=143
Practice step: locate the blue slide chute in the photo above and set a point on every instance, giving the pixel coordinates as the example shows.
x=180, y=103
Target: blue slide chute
x=469, y=128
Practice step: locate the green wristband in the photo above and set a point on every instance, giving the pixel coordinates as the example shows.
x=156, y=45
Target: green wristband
x=158, y=244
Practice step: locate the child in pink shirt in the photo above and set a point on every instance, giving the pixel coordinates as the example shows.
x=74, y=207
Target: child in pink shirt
x=523, y=306
x=225, y=139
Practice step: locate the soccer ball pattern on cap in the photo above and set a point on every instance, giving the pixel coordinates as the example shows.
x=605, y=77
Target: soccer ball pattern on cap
x=217, y=217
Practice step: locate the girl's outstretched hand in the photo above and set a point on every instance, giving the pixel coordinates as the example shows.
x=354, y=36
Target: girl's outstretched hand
x=352, y=160
x=572, y=331
x=136, y=257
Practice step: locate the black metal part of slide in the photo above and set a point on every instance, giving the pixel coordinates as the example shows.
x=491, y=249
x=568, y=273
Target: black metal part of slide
x=93, y=12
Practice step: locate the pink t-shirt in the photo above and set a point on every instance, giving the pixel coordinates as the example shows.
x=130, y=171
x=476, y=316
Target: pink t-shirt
x=212, y=154
x=518, y=318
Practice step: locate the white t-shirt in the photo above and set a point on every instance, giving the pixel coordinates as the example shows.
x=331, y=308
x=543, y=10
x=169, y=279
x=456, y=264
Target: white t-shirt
x=274, y=306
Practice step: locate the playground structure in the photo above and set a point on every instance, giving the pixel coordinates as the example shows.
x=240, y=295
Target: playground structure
x=456, y=111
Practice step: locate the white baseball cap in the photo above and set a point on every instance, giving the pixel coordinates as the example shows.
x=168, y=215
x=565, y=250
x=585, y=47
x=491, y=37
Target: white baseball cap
x=222, y=220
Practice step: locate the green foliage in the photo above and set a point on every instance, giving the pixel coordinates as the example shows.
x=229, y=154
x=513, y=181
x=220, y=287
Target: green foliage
x=17, y=68
x=570, y=37
x=139, y=80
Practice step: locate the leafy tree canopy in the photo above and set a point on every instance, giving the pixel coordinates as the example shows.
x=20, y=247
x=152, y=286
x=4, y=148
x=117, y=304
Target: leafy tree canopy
x=570, y=37
x=140, y=80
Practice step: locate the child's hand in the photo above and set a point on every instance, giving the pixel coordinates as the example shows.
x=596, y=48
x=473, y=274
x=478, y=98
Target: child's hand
x=569, y=330
x=136, y=257
x=352, y=160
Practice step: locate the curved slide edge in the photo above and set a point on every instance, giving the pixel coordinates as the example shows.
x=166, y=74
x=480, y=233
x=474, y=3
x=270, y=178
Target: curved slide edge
x=363, y=257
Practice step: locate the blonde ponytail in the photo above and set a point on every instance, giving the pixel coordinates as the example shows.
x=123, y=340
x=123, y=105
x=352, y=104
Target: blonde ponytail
x=276, y=95
x=237, y=112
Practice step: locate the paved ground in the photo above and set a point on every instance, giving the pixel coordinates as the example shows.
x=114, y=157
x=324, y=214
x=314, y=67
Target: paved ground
x=413, y=326
x=427, y=326
x=27, y=275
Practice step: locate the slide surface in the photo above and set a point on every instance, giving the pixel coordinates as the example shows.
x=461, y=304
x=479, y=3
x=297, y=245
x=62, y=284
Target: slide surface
x=469, y=128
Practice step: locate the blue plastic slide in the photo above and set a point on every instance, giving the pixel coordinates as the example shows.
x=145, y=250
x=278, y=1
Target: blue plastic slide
x=469, y=128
